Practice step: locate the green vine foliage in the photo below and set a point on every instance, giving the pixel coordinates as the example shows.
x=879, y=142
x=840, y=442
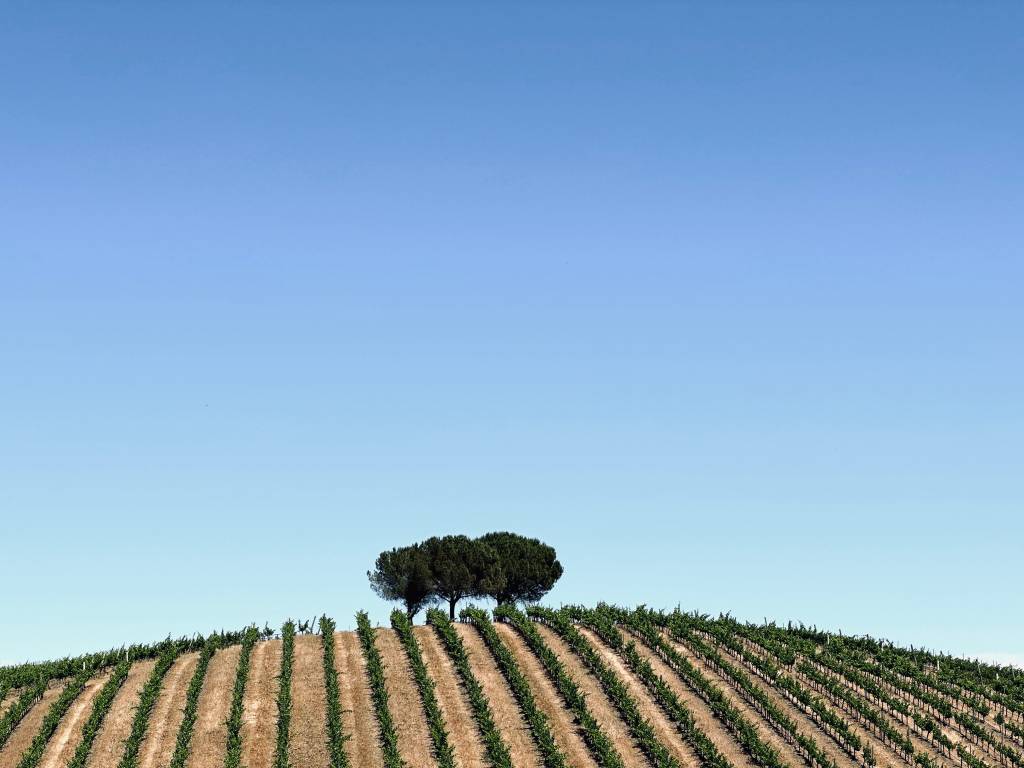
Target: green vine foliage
x=599, y=743
x=378, y=691
x=233, y=756
x=31, y=757
x=550, y=754
x=147, y=700
x=284, y=694
x=495, y=749
x=444, y=753
x=335, y=736
x=183, y=742
x=100, y=706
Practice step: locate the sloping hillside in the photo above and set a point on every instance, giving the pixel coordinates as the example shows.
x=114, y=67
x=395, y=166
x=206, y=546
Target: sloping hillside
x=544, y=689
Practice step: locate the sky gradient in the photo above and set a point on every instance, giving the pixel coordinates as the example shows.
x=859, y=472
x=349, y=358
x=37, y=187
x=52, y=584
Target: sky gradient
x=722, y=301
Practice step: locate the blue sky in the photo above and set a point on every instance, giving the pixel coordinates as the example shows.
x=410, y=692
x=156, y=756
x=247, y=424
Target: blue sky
x=721, y=300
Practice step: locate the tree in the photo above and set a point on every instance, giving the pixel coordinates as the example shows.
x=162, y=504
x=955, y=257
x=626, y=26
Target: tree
x=530, y=567
x=403, y=574
x=462, y=567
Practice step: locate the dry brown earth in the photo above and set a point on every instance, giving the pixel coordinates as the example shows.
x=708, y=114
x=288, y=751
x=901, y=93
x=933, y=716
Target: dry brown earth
x=804, y=722
x=26, y=729
x=307, y=737
x=563, y=724
x=664, y=728
x=598, y=702
x=210, y=738
x=704, y=718
x=767, y=733
x=404, y=700
x=357, y=719
x=68, y=735
x=117, y=725
x=507, y=717
x=259, y=713
x=8, y=700
x=167, y=714
x=463, y=733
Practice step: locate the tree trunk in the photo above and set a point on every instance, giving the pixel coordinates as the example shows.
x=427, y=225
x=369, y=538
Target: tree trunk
x=410, y=613
x=451, y=609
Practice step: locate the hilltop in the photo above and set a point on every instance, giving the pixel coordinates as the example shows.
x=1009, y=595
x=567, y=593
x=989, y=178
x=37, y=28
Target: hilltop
x=544, y=688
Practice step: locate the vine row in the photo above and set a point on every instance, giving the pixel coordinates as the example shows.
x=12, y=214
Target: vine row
x=495, y=748
x=335, y=737
x=537, y=721
x=444, y=753
x=378, y=692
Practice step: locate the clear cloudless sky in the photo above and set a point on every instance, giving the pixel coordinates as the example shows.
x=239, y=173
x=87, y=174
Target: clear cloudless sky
x=723, y=300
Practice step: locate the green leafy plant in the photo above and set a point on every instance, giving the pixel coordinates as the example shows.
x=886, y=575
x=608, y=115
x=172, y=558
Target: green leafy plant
x=550, y=754
x=444, y=753
x=495, y=748
x=284, y=694
x=378, y=691
x=335, y=736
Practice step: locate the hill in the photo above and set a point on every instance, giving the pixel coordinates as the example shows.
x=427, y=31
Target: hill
x=543, y=689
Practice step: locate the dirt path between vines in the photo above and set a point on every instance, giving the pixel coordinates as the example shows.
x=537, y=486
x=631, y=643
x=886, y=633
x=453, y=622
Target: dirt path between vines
x=358, y=721
x=68, y=735
x=259, y=715
x=867, y=736
x=600, y=705
x=167, y=714
x=804, y=722
x=507, y=716
x=462, y=729
x=108, y=748
x=8, y=700
x=404, y=699
x=705, y=719
x=664, y=728
x=563, y=723
x=767, y=733
x=210, y=737
x=29, y=725
x=307, y=737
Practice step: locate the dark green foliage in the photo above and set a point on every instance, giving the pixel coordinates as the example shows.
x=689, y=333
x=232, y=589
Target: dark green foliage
x=614, y=688
x=403, y=574
x=195, y=687
x=30, y=758
x=443, y=751
x=378, y=691
x=335, y=737
x=462, y=567
x=284, y=694
x=530, y=567
x=535, y=719
x=495, y=748
x=233, y=757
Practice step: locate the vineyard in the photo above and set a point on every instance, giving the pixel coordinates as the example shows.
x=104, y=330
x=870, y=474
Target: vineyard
x=602, y=687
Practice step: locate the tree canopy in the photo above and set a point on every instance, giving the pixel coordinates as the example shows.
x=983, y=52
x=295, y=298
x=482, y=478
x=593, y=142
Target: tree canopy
x=530, y=566
x=462, y=567
x=504, y=566
x=403, y=574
